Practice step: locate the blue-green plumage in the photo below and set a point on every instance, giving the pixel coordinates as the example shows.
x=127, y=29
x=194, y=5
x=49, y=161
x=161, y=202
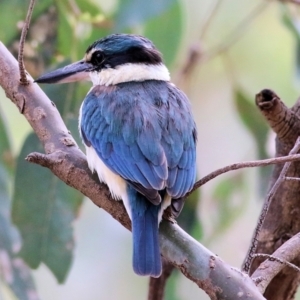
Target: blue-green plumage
x=139, y=134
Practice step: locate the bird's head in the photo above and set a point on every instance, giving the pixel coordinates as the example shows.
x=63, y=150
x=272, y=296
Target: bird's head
x=114, y=59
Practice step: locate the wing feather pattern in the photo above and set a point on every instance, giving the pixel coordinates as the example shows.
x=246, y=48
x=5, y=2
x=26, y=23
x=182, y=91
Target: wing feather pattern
x=144, y=132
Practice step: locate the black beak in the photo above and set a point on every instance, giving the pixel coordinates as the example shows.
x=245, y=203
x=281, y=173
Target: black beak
x=74, y=72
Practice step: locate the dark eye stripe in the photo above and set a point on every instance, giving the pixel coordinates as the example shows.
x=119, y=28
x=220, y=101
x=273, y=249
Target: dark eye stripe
x=101, y=58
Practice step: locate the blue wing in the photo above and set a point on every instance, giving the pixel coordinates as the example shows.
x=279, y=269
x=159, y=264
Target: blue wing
x=143, y=131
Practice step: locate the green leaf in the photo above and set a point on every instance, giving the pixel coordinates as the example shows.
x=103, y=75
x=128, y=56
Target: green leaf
x=16, y=275
x=162, y=21
x=253, y=120
x=166, y=31
x=172, y=286
x=43, y=210
x=257, y=126
x=293, y=25
x=229, y=201
x=77, y=30
x=62, y=95
x=290, y=22
x=72, y=125
x=188, y=218
x=297, y=50
x=100, y=26
x=68, y=99
x=14, y=11
x=6, y=155
x=132, y=13
x=66, y=43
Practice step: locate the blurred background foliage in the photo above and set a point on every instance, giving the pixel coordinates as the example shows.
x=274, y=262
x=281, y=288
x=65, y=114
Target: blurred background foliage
x=221, y=53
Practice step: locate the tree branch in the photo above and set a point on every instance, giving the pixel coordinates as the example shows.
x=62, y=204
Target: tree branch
x=293, y=1
x=238, y=31
x=285, y=122
x=242, y=165
x=271, y=194
x=270, y=268
x=216, y=278
x=197, y=54
x=283, y=218
x=66, y=161
x=281, y=261
x=157, y=285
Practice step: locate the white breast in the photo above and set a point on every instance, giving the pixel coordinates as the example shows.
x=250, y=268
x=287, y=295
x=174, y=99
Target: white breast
x=116, y=184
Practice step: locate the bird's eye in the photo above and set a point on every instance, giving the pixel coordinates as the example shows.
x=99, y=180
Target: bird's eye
x=97, y=58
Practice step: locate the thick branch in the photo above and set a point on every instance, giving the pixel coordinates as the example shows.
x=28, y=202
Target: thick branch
x=266, y=206
x=284, y=121
x=216, y=278
x=283, y=218
x=67, y=162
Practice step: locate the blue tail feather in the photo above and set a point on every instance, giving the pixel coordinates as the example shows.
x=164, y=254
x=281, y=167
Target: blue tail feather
x=144, y=217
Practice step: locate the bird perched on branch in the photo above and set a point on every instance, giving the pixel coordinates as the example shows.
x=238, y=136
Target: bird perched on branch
x=139, y=134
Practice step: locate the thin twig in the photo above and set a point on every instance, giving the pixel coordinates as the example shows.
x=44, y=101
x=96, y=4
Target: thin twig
x=269, y=268
x=196, y=53
x=248, y=260
x=238, y=31
x=75, y=8
x=210, y=17
x=242, y=165
x=281, y=261
x=23, y=77
x=292, y=178
x=284, y=254
x=195, y=50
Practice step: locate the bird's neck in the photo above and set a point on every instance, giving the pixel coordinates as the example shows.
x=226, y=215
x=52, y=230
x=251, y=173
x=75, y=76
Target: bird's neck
x=130, y=72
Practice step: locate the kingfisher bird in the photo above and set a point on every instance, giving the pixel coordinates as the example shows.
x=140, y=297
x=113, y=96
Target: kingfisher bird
x=139, y=134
